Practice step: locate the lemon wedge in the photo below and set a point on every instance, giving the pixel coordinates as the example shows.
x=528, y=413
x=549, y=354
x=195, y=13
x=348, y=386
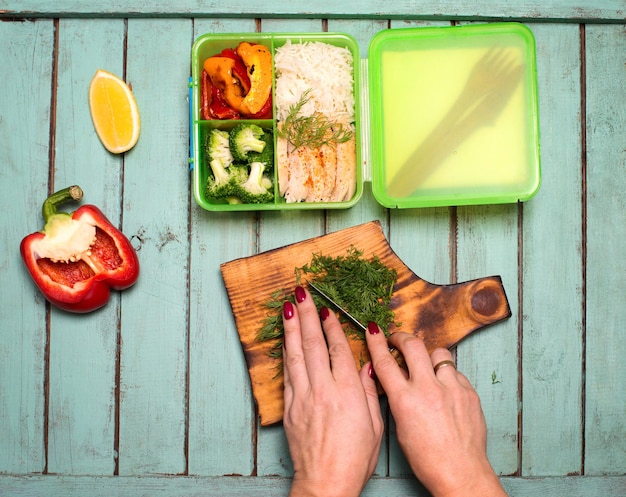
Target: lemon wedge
x=114, y=112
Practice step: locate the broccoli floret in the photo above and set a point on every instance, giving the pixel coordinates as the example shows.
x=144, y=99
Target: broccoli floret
x=225, y=183
x=266, y=156
x=224, y=177
x=241, y=164
x=245, y=138
x=258, y=187
x=218, y=147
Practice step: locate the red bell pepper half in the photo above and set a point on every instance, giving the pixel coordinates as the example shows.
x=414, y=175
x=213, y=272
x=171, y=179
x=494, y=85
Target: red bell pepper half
x=78, y=257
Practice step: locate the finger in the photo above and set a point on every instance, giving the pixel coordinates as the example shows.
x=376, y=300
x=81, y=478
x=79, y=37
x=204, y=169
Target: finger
x=314, y=346
x=444, y=367
x=462, y=379
x=440, y=354
x=287, y=386
x=294, y=367
x=368, y=381
x=415, y=354
x=386, y=368
x=341, y=359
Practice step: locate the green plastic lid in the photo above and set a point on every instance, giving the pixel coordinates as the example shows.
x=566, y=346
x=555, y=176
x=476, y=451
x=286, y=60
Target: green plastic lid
x=453, y=115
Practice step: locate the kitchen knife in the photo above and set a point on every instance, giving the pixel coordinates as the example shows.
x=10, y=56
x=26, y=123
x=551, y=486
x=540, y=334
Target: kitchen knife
x=396, y=353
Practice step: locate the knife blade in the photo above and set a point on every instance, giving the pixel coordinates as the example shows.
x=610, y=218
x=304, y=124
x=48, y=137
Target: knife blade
x=343, y=311
x=394, y=352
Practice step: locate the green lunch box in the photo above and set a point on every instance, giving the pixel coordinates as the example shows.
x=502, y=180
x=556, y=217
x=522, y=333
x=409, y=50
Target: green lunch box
x=444, y=116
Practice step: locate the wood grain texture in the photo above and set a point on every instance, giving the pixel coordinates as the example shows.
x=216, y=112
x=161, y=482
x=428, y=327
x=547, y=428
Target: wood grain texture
x=608, y=10
x=229, y=486
x=277, y=229
x=425, y=240
x=487, y=242
x=156, y=199
x=83, y=350
x=440, y=314
x=26, y=72
x=367, y=208
x=552, y=245
x=605, y=406
x=222, y=419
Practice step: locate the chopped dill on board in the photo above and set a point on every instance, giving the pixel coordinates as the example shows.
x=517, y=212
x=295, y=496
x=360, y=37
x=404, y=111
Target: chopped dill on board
x=363, y=287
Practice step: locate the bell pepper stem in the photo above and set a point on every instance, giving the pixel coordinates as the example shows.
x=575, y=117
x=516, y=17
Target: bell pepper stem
x=50, y=205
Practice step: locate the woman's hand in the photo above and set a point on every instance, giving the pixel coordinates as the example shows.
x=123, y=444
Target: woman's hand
x=439, y=420
x=332, y=413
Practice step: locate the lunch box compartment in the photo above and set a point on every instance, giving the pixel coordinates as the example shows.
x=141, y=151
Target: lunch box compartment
x=212, y=44
x=443, y=116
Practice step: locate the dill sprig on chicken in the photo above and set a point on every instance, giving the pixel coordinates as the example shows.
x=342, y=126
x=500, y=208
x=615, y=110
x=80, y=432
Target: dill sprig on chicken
x=312, y=131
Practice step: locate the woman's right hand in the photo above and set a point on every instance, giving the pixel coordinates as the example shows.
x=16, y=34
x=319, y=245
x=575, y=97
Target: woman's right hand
x=440, y=424
x=332, y=415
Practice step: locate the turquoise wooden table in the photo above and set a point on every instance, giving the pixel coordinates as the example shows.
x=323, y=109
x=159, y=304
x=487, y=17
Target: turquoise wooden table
x=150, y=395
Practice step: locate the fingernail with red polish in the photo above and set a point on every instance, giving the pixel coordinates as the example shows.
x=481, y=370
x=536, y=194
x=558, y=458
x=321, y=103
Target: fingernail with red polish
x=288, y=310
x=300, y=294
x=324, y=313
x=371, y=372
x=372, y=327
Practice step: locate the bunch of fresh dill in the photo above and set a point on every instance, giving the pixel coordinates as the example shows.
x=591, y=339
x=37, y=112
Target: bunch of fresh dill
x=363, y=287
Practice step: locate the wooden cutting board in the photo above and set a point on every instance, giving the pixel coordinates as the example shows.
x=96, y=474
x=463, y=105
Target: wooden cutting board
x=441, y=314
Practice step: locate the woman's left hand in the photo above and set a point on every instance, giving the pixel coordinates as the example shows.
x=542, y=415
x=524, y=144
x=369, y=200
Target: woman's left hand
x=332, y=413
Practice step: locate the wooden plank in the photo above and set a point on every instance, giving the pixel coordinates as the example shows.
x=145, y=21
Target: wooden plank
x=26, y=73
x=277, y=229
x=221, y=409
x=552, y=300
x=156, y=200
x=83, y=348
x=222, y=419
x=605, y=406
x=145, y=486
x=367, y=208
x=487, y=243
x=606, y=10
x=422, y=239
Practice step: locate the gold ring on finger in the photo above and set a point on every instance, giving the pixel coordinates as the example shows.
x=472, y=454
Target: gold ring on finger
x=442, y=364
